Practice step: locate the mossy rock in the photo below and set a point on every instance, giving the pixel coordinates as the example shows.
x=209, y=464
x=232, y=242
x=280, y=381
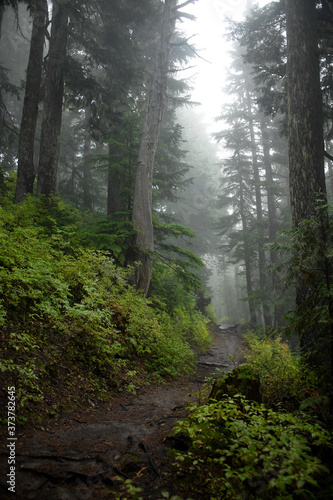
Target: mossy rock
x=130, y=462
x=241, y=380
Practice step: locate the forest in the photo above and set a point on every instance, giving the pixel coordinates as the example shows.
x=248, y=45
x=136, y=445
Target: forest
x=129, y=234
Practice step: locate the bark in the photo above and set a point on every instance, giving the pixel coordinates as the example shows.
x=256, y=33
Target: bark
x=2, y=11
x=143, y=248
x=305, y=120
x=54, y=88
x=26, y=169
x=306, y=144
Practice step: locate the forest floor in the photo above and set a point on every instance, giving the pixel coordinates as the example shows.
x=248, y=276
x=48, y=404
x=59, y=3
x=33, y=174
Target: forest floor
x=82, y=455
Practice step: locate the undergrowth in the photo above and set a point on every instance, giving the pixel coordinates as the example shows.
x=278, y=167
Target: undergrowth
x=240, y=449
x=261, y=434
x=70, y=323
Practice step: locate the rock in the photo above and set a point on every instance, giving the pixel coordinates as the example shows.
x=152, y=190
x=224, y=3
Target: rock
x=130, y=462
x=240, y=380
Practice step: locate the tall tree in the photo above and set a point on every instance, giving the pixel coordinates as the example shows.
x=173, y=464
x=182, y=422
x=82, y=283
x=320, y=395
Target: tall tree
x=305, y=118
x=305, y=125
x=47, y=181
x=142, y=206
x=26, y=170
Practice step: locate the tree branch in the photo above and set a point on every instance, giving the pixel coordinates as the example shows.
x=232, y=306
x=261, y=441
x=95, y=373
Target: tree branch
x=185, y=3
x=330, y=157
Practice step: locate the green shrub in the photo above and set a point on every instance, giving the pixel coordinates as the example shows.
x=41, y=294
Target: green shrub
x=68, y=314
x=239, y=449
x=282, y=375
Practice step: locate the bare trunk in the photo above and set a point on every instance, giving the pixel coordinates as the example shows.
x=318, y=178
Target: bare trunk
x=306, y=144
x=247, y=259
x=87, y=198
x=115, y=186
x=2, y=11
x=26, y=169
x=272, y=222
x=143, y=247
x=258, y=201
x=54, y=89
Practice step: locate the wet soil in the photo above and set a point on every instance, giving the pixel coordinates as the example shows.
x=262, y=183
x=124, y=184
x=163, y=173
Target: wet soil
x=83, y=455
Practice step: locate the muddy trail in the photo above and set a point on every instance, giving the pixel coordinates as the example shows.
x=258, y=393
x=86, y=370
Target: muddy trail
x=82, y=455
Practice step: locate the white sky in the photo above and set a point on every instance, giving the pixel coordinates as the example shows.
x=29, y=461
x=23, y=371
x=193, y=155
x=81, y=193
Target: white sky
x=208, y=78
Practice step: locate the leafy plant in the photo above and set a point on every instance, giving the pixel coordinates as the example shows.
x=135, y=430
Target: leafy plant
x=69, y=318
x=238, y=448
x=282, y=375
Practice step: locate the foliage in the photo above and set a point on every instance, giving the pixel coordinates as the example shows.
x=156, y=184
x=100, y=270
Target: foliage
x=170, y=290
x=241, y=449
x=282, y=375
x=107, y=233
x=272, y=374
x=69, y=318
x=307, y=251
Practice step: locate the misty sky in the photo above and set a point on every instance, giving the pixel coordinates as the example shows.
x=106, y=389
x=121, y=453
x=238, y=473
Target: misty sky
x=208, y=78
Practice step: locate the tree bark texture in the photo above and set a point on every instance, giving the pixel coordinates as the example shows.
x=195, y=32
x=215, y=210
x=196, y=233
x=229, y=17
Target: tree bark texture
x=54, y=88
x=143, y=248
x=305, y=120
x=306, y=144
x=26, y=169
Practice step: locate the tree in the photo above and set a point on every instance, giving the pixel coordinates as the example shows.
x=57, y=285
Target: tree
x=47, y=182
x=305, y=127
x=143, y=246
x=26, y=170
x=305, y=118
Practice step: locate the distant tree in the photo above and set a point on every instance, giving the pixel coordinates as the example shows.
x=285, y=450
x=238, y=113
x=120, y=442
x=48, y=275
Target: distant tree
x=26, y=169
x=47, y=181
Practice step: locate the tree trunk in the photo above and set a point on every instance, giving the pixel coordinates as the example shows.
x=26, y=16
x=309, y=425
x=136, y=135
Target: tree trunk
x=305, y=120
x=271, y=213
x=87, y=197
x=54, y=88
x=306, y=144
x=260, y=228
x=26, y=170
x=116, y=178
x=247, y=259
x=143, y=248
x=2, y=11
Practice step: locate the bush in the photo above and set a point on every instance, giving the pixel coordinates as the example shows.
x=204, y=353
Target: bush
x=239, y=449
x=69, y=317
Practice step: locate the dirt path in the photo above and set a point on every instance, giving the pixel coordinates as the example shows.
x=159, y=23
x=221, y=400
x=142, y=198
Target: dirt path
x=81, y=456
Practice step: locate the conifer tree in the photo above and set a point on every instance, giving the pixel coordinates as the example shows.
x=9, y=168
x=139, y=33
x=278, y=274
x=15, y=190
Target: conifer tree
x=143, y=246
x=26, y=169
x=47, y=182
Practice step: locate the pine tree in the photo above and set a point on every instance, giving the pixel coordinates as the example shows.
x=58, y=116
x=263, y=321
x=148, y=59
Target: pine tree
x=26, y=169
x=47, y=182
x=143, y=246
